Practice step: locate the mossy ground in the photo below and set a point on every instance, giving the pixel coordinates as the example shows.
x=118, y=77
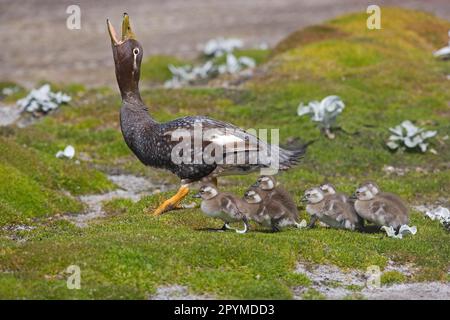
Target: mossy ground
x=384, y=77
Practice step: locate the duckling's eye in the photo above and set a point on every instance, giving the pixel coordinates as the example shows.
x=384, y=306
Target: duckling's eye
x=136, y=51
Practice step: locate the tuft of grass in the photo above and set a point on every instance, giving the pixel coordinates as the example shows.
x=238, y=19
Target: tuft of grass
x=392, y=277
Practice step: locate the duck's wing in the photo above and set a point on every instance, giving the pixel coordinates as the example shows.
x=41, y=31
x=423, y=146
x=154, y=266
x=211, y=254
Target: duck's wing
x=276, y=210
x=395, y=200
x=382, y=208
x=285, y=197
x=334, y=209
x=229, y=204
x=228, y=139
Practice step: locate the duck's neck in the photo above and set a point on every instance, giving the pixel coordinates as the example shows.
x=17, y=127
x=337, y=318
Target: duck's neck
x=132, y=101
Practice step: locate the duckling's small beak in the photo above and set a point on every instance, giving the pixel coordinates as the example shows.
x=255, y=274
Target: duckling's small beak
x=353, y=197
x=197, y=195
x=303, y=199
x=127, y=32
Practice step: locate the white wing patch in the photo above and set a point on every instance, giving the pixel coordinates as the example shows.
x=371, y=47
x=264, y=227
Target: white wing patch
x=226, y=139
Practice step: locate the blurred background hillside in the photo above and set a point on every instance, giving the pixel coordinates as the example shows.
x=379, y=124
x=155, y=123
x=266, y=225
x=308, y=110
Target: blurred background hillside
x=37, y=45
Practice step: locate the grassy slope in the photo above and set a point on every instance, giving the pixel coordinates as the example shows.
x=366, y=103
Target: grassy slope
x=383, y=76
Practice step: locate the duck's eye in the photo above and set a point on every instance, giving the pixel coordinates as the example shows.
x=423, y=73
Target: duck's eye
x=136, y=51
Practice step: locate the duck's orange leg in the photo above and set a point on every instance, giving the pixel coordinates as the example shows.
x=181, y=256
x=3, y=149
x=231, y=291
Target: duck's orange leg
x=173, y=202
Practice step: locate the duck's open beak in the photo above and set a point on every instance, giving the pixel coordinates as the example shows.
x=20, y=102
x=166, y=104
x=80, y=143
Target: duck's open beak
x=127, y=32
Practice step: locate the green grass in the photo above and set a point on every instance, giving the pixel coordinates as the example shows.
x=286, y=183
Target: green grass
x=384, y=77
x=36, y=184
x=155, y=68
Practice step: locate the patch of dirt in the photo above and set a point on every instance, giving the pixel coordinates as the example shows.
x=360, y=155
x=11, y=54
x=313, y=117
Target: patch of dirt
x=14, y=231
x=410, y=291
x=131, y=187
x=329, y=280
x=333, y=283
x=177, y=292
x=9, y=114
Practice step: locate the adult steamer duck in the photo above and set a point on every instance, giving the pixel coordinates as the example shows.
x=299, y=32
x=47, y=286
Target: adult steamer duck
x=152, y=142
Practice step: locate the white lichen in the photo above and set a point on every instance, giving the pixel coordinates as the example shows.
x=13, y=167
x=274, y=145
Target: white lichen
x=188, y=75
x=68, y=152
x=408, y=136
x=440, y=214
x=42, y=100
x=443, y=53
x=220, y=46
x=324, y=113
x=404, y=230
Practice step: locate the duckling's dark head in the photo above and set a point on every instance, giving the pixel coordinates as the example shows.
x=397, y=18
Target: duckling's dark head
x=252, y=196
x=265, y=183
x=127, y=53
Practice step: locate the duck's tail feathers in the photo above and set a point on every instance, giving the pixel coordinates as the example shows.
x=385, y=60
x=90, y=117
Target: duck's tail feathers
x=290, y=158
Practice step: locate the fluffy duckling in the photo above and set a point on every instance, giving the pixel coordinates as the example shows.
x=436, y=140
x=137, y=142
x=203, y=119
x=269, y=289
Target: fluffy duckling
x=222, y=205
x=329, y=189
x=267, y=186
x=268, y=212
x=330, y=209
x=381, y=208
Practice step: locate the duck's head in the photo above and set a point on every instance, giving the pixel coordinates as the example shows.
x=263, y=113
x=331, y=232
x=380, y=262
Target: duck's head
x=252, y=196
x=328, y=188
x=127, y=53
x=313, y=195
x=373, y=187
x=207, y=192
x=265, y=183
x=365, y=192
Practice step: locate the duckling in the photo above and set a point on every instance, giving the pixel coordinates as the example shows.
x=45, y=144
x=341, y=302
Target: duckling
x=376, y=191
x=269, y=212
x=329, y=189
x=330, y=209
x=381, y=208
x=268, y=187
x=222, y=205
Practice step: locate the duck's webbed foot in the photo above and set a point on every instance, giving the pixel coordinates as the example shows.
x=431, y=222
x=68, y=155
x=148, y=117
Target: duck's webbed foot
x=173, y=202
x=226, y=227
x=246, y=227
